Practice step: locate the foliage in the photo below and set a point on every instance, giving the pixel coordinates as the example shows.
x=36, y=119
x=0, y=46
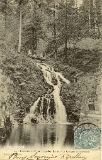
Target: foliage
x=28, y=82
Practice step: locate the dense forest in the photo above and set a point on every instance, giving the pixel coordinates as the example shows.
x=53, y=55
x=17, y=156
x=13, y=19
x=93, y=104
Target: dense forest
x=65, y=34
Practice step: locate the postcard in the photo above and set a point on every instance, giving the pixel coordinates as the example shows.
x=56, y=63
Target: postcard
x=50, y=79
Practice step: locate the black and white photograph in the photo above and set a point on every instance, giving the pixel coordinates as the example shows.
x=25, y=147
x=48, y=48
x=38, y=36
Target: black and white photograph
x=50, y=75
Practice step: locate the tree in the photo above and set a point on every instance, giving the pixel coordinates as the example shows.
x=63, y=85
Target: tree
x=3, y=8
x=8, y=10
x=55, y=31
x=68, y=23
x=98, y=16
x=90, y=16
x=54, y=27
x=32, y=29
x=66, y=5
x=51, y=9
x=20, y=6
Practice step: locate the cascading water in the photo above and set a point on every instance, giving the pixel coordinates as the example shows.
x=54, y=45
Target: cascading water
x=32, y=109
x=50, y=108
x=60, y=108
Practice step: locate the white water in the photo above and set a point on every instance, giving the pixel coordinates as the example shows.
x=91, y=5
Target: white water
x=60, y=116
x=34, y=106
x=60, y=108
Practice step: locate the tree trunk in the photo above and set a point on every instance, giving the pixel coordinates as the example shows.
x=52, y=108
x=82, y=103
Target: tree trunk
x=36, y=35
x=89, y=19
x=66, y=45
x=55, y=34
x=66, y=30
x=76, y=4
x=5, y=21
x=98, y=30
x=20, y=32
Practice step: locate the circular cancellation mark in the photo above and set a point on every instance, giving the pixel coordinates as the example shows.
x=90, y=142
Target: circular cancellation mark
x=87, y=136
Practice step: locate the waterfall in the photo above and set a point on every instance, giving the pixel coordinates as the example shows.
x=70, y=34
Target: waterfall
x=47, y=111
x=60, y=108
x=32, y=109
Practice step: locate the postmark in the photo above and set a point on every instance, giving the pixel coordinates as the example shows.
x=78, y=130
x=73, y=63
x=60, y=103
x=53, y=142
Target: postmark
x=87, y=136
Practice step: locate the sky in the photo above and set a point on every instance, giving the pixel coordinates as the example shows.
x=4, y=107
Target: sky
x=79, y=2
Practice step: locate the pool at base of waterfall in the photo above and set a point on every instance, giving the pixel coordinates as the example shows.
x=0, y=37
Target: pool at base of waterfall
x=41, y=135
